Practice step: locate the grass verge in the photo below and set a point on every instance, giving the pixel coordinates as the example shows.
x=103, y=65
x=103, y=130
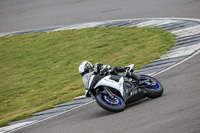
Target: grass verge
x=40, y=70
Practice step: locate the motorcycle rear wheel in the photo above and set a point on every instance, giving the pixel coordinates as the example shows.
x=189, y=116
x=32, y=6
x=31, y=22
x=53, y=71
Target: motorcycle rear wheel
x=153, y=91
x=114, y=105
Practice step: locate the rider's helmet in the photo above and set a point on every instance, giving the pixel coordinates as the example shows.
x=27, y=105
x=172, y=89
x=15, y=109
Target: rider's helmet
x=85, y=67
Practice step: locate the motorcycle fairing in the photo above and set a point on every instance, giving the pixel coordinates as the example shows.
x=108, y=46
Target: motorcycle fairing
x=130, y=67
x=106, y=81
x=124, y=86
x=131, y=93
x=93, y=80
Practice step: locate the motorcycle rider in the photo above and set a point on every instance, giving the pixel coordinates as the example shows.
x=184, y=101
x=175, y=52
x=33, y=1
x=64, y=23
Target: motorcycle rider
x=103, y=69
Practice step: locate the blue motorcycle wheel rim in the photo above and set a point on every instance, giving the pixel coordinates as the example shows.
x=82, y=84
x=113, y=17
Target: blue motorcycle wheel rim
x=109, y=103
x=156, y=87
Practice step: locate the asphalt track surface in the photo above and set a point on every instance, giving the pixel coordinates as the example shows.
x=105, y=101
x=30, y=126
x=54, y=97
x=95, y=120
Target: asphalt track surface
x=177, y=111
x=18, y=15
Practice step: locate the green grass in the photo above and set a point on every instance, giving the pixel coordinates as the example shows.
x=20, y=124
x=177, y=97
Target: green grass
x=38, y=71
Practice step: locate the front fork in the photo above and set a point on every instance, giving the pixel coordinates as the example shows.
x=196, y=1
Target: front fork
x=106, y=91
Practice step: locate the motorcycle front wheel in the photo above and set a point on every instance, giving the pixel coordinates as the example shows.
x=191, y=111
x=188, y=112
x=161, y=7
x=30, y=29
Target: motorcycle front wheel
x=152, y=91
x=116, y=104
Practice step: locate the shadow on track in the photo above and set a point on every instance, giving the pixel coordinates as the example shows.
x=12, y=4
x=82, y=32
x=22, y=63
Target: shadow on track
x=128, y=106
x=100, y=113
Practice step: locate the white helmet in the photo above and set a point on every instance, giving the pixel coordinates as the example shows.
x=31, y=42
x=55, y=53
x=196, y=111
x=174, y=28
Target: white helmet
x=85, y=67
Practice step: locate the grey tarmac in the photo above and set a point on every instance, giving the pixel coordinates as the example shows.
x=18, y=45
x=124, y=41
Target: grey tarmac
x=18, y=15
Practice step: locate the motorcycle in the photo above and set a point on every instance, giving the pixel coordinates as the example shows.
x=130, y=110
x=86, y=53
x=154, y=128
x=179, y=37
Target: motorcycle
x=113, y=92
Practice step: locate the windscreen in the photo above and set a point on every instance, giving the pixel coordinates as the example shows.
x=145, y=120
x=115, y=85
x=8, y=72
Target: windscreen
x=86, y=79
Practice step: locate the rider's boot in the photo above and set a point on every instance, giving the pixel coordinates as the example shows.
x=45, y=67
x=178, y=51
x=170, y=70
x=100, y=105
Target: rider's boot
x=134, y=76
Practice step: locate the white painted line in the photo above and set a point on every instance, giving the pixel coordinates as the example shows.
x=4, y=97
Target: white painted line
x=80, y=97
x=195, y=53
x=152, y=74
x=12, y=130
x=12, y=127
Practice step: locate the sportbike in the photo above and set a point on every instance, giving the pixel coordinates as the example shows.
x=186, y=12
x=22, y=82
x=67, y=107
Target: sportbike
x=113, y=92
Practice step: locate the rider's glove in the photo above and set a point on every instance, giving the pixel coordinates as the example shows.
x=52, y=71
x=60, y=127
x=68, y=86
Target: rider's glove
x=104, y=69
x=96, y=68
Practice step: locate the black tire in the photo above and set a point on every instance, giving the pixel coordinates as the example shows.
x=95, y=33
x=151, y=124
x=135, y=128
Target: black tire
x=108, y=106
x=153, y=93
